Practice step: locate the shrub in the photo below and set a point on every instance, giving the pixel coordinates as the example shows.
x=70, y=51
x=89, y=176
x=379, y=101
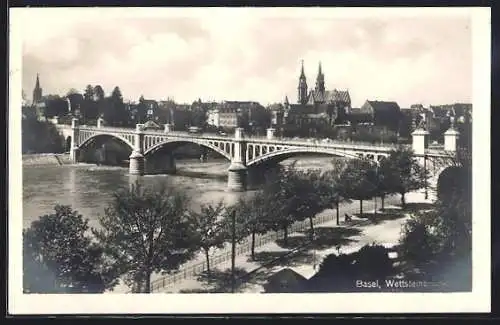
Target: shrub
x=334, y=275
x=449, y=182
x=59, y=256
x=336, y=265
x=339, y=272
x=419, y=241
x=372, y=262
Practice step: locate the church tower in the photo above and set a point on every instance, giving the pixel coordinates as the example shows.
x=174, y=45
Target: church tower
x=302, y=89
x=286, y=104
x=320, y=81
x=37, y=92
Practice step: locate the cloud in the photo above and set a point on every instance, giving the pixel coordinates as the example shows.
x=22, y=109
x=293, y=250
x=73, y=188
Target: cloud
x=225, y=54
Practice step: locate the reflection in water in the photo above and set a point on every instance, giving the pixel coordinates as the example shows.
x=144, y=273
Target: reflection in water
x=73, y=193
x=89, y=188
x=133, y=180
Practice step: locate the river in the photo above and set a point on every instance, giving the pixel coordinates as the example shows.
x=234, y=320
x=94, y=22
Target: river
x=89, y=188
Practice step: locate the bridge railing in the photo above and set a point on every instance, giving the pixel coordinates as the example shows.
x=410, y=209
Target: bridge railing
x=105, y=129
x=318, y=143
x=276, y=140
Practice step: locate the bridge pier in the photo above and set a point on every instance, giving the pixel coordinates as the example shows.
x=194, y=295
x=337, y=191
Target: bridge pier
x=74, y=155
x=136, y=159
x=237, y=177
x=237, y=172
x=136, y=164
x=74, y=151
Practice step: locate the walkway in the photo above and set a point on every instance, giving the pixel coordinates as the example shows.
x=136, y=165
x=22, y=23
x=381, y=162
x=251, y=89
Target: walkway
x=223, y=256
x=330, y=238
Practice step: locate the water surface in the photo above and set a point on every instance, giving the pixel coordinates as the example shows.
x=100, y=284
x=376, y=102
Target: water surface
x=89, y=189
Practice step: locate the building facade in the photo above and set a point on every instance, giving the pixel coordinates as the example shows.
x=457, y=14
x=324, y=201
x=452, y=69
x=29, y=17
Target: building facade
x=277, y=114
x=384, y=114
x=229, y=117
x=231, y=114
x=436, y=118
x=213, y=117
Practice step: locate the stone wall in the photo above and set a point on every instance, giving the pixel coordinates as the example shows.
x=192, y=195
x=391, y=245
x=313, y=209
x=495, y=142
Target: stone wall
x=46, y=159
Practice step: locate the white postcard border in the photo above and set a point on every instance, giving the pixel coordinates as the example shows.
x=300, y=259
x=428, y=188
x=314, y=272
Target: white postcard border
x=476, y=301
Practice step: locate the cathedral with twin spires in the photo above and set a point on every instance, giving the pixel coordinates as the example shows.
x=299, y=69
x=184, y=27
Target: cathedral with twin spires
x=318, y=105
x=319, y=95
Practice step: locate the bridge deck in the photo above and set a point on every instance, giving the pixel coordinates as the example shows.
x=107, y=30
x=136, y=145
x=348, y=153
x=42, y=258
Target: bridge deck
x=256, y=140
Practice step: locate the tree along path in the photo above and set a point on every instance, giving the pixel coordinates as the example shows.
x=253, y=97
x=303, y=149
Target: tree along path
x=304, y=258
x=219, y=256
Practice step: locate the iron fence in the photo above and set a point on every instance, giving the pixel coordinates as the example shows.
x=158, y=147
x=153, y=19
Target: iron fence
x=244, y=247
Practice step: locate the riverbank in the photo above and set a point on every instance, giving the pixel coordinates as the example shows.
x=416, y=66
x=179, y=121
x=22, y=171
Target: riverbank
x=346, y=238
x=185, y=280
x=46, y=159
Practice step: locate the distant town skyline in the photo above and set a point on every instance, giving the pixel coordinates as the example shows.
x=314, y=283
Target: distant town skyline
x=234, y=54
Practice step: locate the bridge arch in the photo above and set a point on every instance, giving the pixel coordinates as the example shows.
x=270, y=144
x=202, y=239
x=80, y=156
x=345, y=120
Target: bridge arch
x=104, y=135
x=280, y=155
x=175, y=143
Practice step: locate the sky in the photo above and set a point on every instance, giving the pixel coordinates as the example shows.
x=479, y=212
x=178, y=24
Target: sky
x=248, y=54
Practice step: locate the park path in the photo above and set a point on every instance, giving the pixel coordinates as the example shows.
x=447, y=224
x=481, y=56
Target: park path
x=187, y=277
x=385, y=232
x=222, y=255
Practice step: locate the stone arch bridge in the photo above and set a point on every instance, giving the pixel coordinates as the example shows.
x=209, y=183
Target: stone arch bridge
x=152, y=149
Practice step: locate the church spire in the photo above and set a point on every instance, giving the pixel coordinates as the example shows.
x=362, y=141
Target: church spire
x=320, y=80
x=302, y=88
x=302, y=74
x=37, y=92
